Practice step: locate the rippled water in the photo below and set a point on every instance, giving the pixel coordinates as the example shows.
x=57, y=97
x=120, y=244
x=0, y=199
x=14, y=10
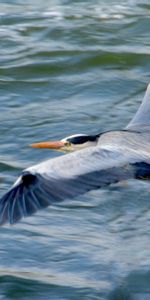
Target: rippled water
x=70, y=67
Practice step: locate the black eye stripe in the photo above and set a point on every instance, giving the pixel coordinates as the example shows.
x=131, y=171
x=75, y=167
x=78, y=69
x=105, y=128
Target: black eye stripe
x=82, y=139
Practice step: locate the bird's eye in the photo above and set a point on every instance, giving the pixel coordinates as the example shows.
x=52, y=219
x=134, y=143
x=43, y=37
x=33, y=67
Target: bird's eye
x=68, y=144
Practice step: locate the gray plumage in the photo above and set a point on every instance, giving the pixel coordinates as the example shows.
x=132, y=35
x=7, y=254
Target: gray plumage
x=116, y=156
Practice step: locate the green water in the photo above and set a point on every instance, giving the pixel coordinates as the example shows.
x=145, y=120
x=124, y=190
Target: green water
x=73, y=67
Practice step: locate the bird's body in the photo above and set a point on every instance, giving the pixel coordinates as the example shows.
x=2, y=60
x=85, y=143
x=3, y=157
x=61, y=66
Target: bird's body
x=107, y=158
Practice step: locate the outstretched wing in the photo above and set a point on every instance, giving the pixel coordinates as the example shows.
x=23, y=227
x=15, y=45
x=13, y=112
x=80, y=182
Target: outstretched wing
x=141, y=120
x=65, y=177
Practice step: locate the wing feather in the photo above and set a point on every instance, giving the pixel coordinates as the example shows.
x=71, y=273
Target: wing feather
x=66, y=177
x=31, y=206
x=141, y=120
x=23, y=201
x=17, y=212
x=13, y=210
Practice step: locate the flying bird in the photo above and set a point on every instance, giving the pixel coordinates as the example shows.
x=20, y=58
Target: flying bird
x=94, y=161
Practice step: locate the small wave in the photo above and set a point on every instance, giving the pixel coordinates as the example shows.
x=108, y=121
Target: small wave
x=19, y=288
x=8, y=167
x=51, y=277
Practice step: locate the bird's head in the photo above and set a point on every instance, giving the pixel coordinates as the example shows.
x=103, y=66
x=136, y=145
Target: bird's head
x=70, y=143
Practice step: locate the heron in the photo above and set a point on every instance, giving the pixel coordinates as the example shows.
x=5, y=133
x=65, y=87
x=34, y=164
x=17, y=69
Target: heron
x=90, y=162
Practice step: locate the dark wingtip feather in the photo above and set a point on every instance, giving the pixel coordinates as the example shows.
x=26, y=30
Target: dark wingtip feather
x=24, y=199
x=5, y=203
x=13, y=203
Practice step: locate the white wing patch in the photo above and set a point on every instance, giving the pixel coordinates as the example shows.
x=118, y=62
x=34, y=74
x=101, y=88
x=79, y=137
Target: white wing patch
x=142, y=117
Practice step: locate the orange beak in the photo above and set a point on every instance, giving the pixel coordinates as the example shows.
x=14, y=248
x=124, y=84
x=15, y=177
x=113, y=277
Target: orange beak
x=56, y=145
